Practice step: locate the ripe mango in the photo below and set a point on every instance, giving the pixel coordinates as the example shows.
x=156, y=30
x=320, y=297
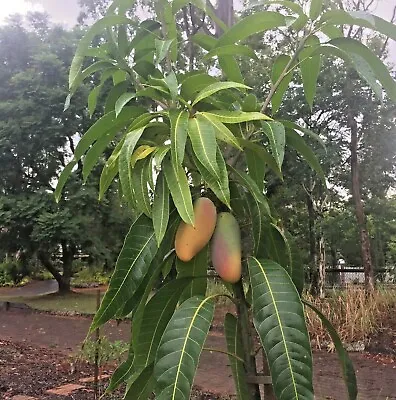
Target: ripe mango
x=190, y=240
x=226, y=248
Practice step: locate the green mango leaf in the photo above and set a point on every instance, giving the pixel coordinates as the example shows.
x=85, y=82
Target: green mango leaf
x=124, y=164
x=231, y=50
x=161, y=49
x=168, y=265
x=114, y=94
x=298, y=143
x=179, y=129
x=180, y=190
x=92, y=156
x=230, y=68
x=275, y=246
x=156, y=315
x=360, y=18
x=110, y=170
x=256, y=168
x=106, y=125
x=310, y=68
x=171, y=30
x=142, y=386
x=278, y=68
x=258, y=217
x=348, y=371
x=121, y=374
x=172, y=84
x=278, y=316
x=296, y=8
x=195, y=83
x=85, y=42
x=275, y=132
x=161, y=207
x=207, y=42
x=160, y=154
x=94, y=67
x=93, y=99
x=196, y=268
x=216, y=87
x=236, y=117
x=255, y=23
x=263, y=154
x=122, y=101
x=315, y=9
x=184, y=338
x=140, y=180
x=133, y=262
x=203, y=139
x=137, y=302
x=305, y=131
x=222, y=132
x=219, y=187
x=247, y=182
x=234, y=346
x=366, y=63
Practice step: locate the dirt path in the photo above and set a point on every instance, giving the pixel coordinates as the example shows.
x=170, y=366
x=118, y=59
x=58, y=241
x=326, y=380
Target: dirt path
x=376, y=377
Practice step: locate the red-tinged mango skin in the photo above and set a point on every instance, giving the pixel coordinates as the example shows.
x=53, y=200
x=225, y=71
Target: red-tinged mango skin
x=190, y=240
x=226, y=248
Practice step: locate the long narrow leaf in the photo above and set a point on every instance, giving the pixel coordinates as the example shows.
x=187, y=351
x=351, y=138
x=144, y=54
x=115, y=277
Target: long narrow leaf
x=203, y=139
x=161, y=207
x=197, y=269
x=180, y=190
x=216, y=87
x=180, y=349
x=133, y=262
x=278, y=316
x=125, y=170
x=275, y=132
x=179, y=129
x=234, y=346
x=348, y=371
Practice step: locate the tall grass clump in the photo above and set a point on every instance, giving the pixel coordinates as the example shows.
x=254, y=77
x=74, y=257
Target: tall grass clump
x=355, y=317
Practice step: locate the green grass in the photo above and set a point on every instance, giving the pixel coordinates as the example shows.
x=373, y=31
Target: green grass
x=82, y=303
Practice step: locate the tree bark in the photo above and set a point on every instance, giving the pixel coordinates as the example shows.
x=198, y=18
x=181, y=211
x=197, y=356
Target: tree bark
x=322, y=265
x=67, y=261
x=225, y=12
x=359, y=209
x=313, y=255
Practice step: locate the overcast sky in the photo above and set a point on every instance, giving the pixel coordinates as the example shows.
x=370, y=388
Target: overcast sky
x=66, y=11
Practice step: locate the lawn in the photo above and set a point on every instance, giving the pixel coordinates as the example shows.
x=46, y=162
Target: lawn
x=81, y=303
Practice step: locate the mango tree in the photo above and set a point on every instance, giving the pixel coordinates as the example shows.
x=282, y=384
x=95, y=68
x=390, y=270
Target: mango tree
x=182, y=134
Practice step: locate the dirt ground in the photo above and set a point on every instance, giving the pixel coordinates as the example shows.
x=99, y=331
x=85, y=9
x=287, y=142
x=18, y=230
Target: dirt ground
x=35, y=350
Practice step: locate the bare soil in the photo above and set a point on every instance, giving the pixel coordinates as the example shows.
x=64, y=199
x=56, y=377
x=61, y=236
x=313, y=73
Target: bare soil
x=35, y=354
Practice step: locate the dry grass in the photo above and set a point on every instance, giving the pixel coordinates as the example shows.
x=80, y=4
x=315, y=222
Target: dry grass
x=354, y=316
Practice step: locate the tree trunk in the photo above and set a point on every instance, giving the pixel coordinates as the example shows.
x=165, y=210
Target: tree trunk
x=45, y=260
x=322, y=265
x=313, y=255
x=67, y=265
x=225, y=12
x=359, y=209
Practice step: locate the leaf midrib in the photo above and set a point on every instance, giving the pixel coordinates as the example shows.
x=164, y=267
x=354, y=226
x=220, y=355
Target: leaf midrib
x=280, y=327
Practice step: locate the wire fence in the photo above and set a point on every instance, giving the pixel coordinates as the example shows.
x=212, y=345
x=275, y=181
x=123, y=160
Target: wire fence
x=346, y=276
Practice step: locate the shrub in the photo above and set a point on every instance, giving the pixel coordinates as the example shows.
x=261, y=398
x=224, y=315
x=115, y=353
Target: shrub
x=354, y=316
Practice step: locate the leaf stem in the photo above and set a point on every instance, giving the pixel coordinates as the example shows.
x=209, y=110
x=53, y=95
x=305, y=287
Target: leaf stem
x=224, y=352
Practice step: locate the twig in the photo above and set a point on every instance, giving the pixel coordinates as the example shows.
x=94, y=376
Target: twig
x=224, y=352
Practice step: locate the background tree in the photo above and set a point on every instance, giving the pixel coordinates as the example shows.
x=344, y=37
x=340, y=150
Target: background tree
x=36, y=141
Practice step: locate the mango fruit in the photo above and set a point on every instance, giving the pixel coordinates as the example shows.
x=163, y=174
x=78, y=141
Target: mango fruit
x=226, y=249
x=190, y=240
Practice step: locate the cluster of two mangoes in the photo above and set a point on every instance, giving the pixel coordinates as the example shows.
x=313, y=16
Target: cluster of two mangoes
x=224, y=231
